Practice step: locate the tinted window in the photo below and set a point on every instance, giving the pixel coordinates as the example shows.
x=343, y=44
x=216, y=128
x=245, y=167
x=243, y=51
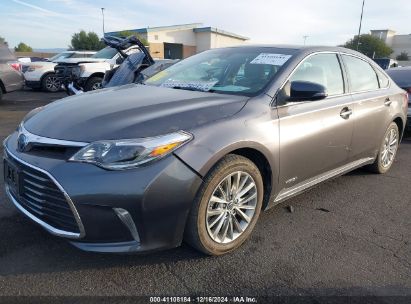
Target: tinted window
x=362, y=76
x=323, y=69
x=383, y=80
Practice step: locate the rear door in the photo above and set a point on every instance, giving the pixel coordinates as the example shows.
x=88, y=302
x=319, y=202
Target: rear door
x=372, y=102
x=315, y=136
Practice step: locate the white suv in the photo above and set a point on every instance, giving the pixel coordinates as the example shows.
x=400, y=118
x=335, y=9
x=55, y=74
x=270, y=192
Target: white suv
x=40, y=74
x=89, y=73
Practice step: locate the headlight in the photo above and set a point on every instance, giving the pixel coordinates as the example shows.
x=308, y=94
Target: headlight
x=130, y=153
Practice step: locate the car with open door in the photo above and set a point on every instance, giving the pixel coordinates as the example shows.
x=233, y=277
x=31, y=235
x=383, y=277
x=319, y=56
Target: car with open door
x=198, y=150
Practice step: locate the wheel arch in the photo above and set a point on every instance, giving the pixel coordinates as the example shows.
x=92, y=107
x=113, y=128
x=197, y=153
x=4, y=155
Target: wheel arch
x=400, y=124
x=258, y=154
x=96, y=74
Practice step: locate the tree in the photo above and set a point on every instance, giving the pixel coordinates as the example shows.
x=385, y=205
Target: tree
x=22, y=47
x=3, y=41
x=131, y=33
x=86, y=41
x=370, y=45
x=403, y=56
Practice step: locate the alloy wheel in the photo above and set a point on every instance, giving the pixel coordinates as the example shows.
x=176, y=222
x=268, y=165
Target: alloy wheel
x=52, y=83
x=231, y=207
x=390, y=147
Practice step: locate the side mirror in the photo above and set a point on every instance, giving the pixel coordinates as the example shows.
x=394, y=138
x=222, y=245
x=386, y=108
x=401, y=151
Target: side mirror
x=306, y=91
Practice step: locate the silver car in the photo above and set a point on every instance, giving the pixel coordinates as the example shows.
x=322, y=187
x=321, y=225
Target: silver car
x=11, y=78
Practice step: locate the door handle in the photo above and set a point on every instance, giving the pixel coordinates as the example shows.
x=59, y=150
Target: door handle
x=346, y=113
x=387, y=102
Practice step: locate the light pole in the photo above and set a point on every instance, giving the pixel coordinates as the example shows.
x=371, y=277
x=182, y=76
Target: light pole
x=102, y=12
x=359, y=29
x=305, y=38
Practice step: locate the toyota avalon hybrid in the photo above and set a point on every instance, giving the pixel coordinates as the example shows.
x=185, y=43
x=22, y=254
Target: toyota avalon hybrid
x=197, y=151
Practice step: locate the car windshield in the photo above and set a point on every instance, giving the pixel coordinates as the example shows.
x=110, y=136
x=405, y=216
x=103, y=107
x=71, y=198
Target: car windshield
x=240, y=71
x=106, y=53
x=61, y=56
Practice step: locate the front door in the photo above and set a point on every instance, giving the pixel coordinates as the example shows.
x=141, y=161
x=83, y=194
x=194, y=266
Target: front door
x=315, y=136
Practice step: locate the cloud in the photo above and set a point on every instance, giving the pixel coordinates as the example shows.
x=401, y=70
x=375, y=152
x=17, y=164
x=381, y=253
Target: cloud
x=264, y=21
x=36, y=7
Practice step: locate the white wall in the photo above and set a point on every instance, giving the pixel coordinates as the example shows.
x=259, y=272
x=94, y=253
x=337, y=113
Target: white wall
x=186, y=37
x=218, y=40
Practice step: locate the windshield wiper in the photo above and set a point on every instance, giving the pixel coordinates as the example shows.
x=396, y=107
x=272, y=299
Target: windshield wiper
x=191, y=89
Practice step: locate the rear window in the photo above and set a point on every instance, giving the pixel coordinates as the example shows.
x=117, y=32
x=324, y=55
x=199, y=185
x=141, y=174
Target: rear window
x=6, y=54
x=382, y=79
x=361, y=75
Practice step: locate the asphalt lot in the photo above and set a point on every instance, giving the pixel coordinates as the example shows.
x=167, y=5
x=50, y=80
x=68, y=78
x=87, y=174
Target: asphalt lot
x=348, y=236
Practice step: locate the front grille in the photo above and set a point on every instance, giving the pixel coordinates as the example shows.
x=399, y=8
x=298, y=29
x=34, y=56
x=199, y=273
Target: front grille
x=40, y=196
x=66, y=72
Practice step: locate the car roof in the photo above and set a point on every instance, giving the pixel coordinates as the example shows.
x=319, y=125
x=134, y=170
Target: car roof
x=301, y=49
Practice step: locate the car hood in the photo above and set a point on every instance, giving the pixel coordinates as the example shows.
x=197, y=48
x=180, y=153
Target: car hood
x=78, y=60
x=131, y=111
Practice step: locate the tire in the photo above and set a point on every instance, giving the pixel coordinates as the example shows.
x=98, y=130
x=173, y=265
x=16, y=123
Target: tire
x=1, y=94
x=50, y=83
x=93, y=83
x=200, y=229
x=381, y=165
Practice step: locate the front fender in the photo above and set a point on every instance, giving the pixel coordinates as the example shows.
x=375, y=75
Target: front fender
x=254, y=127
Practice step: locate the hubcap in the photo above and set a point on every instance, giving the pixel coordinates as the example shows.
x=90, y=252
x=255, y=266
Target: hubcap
x=52, y=83
x=231, y=207
x=389, y=148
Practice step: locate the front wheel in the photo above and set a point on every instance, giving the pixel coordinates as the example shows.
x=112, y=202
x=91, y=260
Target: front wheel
x=227, y=206
x=94, y=83
x=388, y=150
x=50, y=83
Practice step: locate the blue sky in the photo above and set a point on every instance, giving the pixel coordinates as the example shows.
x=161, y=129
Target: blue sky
x=50, y=23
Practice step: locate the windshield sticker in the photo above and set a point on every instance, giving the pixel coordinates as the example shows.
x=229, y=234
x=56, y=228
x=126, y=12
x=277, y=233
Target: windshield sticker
x=195, y=85
x=273, y=59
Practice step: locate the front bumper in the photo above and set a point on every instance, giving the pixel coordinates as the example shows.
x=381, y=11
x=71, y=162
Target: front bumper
x=32, y=84
x=156, y=199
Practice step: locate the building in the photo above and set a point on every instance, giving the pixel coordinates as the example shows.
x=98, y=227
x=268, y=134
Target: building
x=181, y=41
x=399, y=43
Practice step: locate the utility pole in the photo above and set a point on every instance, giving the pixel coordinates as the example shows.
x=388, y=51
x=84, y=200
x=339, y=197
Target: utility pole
x=359, y=29
x=305, y=38
x=102, y=12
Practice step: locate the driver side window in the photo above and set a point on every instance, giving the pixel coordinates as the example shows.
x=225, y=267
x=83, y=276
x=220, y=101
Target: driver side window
x=323, y=69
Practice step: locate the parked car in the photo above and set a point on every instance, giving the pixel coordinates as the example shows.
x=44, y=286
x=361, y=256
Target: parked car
x=11, y=78
x=402, y=77
x=386, y=63
x=202, y=147
x=91, y=71
x=40, y=75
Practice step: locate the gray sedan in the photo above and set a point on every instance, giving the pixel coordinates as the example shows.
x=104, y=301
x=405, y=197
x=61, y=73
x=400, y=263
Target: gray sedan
x=198, y=150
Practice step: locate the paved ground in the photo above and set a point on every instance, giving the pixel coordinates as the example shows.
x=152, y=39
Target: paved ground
x=349, y=236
